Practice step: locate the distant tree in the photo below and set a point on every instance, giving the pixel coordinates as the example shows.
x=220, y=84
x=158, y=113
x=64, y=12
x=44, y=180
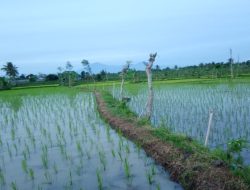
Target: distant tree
x=98, y=77
x=158, y=71
x=83, y=75
x=22, y=77
x=134, y=74
x=123, y=74
x=157, y=68
x=51, y=77
x=175, y=67
x=31, y=77
x=231, y=61
x=10, y=70
x=86, y=66
x=201, y=65
x=69, y=67
x=4, y=84
x=104, y=75
x=60, y=75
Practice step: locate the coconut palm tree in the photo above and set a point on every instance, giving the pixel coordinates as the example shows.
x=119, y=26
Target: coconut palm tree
x=11, y=70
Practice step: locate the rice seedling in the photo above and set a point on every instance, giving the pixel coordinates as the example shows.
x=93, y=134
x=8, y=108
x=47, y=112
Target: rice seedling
x=13, y=134
x=63, y=150
x=138, y=148
x=158, y=187
x=59, y=130
x=48, y=177
x=39, y=187
x=103, y=160
x=79, y=148
x=153, y=170
x=44, y=132
x=88, y=154
x=79, y=170
x=27, y=149
x=55, y=168
x=1, y=142
x=2, y=178
x=126, y=167
x=70, y=179
x=28, y=131
x=15, y=147
x=24, y=166
x=13, y=186
x=149, y=177
x=113, y=153
x=99, y=179
x=108, y=133
x=75, y=131
x=127, y=148
x=9, y=150
x=44, y=158
x=31, y=174
x=50, y=140
x=120, y=155
x=120, y=145
x=2, y=163
x=84, y=132
x=33, y=141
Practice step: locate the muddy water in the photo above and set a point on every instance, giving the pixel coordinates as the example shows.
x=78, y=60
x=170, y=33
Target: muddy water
x=65, y=144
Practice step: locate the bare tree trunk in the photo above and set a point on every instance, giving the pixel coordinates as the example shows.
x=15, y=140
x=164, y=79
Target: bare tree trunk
x=149, y=105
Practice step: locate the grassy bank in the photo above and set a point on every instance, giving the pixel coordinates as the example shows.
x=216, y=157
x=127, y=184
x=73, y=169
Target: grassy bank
x=190, y=162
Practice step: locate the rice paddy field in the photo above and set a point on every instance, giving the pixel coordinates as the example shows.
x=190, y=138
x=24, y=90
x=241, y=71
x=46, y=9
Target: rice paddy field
x=53, y=138
x=184, y=108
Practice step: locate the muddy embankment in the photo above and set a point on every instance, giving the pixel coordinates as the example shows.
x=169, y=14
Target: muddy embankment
x=190, y=171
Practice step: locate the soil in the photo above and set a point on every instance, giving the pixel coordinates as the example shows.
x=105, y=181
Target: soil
x=185, y=168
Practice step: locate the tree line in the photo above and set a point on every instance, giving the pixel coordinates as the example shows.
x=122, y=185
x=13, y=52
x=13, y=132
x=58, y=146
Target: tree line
x=68, y=77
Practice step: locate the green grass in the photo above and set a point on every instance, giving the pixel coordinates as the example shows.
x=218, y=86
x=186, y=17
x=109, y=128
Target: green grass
x=117, y=107
x=181, y=141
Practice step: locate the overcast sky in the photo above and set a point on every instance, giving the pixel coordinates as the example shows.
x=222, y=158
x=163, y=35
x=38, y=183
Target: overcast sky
x=39, y=36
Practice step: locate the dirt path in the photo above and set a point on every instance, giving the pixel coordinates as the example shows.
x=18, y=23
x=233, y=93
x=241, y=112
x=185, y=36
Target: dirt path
x=183, y=168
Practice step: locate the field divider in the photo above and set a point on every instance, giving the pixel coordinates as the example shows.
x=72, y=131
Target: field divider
x=193, y=169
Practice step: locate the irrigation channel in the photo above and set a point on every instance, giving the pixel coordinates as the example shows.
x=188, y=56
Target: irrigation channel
x=60, y=142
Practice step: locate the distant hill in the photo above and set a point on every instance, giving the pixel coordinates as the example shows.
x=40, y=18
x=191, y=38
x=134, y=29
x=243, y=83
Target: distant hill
x=97, y=67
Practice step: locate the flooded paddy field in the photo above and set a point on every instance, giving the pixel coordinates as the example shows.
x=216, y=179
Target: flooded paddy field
x=184, y=108
x=58, y=141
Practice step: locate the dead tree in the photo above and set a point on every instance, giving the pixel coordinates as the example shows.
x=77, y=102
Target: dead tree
x=123, y=74
x=149, y=105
